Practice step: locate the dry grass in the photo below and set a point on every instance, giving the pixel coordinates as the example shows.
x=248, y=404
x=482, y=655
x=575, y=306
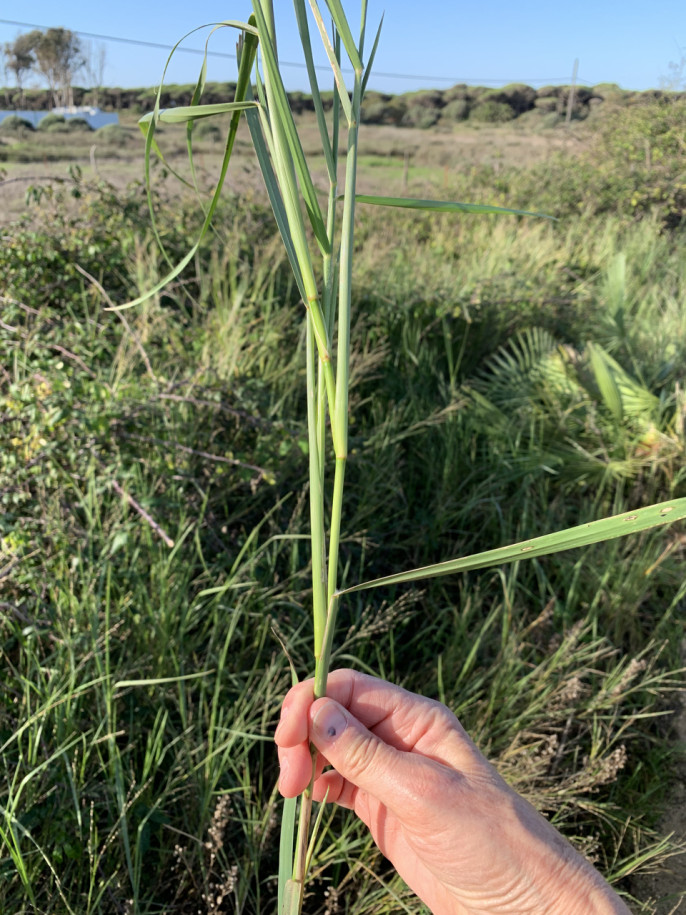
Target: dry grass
x=390, y=157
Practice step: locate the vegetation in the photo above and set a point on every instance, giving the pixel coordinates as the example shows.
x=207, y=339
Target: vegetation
x=57, y=55
x=379, y=107
x=154, y=534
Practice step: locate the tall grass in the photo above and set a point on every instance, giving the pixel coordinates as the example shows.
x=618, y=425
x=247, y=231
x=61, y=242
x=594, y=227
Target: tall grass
x=144, y=681
x=328, y=319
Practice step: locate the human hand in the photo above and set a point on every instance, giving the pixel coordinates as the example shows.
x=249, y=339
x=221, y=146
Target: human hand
x=461, y=839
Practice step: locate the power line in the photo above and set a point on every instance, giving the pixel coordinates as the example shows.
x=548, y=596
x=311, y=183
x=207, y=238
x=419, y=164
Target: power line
x=287, y=63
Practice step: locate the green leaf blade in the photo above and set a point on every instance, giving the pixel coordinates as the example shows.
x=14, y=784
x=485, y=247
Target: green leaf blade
x=583, y=535
x=186, y=113
x=286, y=853
x=448, y=206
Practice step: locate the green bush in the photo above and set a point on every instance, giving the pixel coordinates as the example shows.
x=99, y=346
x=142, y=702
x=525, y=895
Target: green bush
x=427, y=98
x=546, y=103
x=423, y=118
x=114, y=134
x=549, y=92
x=456, y=110
x=459, y=91
x=14, y=124
x=492, y=112
x=53, y=123
x=76, y=125
x=207, y=130
x=383, y=110
x=518, y=96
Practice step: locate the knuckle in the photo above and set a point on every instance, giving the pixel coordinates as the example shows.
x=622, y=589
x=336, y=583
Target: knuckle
x=361, y=756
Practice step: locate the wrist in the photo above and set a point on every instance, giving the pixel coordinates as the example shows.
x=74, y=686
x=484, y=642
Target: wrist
x=581, y=890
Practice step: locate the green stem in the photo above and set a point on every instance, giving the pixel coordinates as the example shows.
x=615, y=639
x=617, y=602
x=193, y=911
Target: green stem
x=314, y=423
x=340, y=418
x=321, y=672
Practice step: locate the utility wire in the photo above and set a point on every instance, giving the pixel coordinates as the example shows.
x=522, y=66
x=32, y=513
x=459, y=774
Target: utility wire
x=286, y=63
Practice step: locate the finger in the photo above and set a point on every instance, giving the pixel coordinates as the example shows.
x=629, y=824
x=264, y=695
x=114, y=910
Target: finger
x=292, y=727
x=332, y=787
x=296, y=769
x=404, y=720
x=406, y=783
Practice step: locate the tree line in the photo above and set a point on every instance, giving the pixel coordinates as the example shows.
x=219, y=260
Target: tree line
x=57, y=55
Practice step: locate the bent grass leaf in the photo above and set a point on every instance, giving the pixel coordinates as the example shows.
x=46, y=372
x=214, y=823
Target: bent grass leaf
x=193, y=112
x=584, y=534
x=285, y=126
x=338, y=15
x=240, y=104
x=335, y=66
x=448, y=206
x=303, y=28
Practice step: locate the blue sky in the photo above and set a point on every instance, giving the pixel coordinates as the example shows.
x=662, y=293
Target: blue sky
x=434, y=43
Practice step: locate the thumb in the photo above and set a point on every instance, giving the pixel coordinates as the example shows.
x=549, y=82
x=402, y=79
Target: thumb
x=359, y=756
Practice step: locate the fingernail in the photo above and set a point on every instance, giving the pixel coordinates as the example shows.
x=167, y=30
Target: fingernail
x=329, y=722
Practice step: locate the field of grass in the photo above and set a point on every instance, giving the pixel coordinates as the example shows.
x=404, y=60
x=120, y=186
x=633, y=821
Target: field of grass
x=154, y=533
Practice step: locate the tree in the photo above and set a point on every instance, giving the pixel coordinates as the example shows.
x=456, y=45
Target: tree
x=19, y=58
x=59, y=57
x=95, y=61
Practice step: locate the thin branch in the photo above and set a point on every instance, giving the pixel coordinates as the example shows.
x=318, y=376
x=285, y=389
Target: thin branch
x=69, y=355
x=204, y=454
x=142, y=512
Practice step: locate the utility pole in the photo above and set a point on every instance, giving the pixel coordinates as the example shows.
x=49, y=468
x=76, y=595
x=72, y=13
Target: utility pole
x=570, y=97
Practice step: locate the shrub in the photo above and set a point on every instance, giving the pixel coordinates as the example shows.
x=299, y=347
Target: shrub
x=457, y=110
x=460, y=91
x=114, y=134
x=53, y=123
x=546, y=103
x=518, y=96
x=14, y=124
x=74, y=125
x=492, y=112
x=383, y=110
x=417, y=116
x=207, y=130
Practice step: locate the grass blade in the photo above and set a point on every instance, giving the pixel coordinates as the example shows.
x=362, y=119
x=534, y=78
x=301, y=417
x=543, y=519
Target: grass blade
x=187, y=113
x=273, y=192
x=284, y=116
x=584, y=534
x=333, y=61
x=286, y=849
x=448, y=206
x=370, y=62
x=240, y=103
x=303, y=28
x=341, y=23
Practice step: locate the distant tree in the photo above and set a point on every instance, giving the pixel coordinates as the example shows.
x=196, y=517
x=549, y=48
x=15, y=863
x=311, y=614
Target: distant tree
x=59, y=57
x=19, y=58
x=95, y=61
x=676, y=80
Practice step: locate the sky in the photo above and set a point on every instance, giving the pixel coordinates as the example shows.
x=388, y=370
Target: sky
x=425, y=44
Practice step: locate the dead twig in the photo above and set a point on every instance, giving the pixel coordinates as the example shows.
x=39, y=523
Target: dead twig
x=144, y=515
x=204, y=454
